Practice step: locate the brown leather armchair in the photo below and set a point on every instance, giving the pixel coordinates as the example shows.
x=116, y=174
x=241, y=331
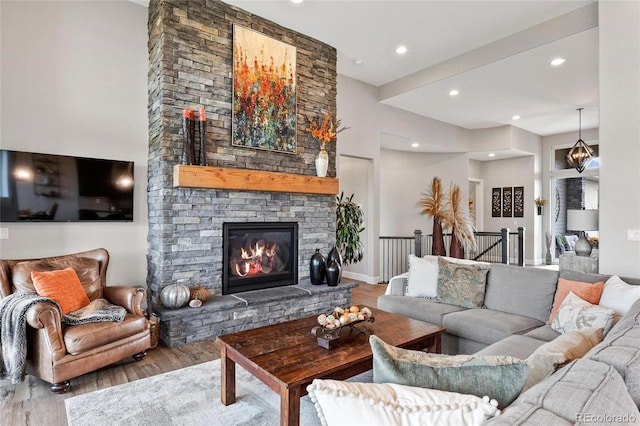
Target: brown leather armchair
x=57, y=353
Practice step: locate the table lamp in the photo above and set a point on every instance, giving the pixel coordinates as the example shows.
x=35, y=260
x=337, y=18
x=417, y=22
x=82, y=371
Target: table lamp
x=582, y=221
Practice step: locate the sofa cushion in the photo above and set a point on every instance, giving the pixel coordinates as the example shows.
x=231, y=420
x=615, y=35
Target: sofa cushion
x=84, y=337
x=576, y=394
x=621, y=349
x=486, y=325
x=517, y=346
x=567, y=347
x=576, y=313
x=63, y=286
x=545, y=333
x=87, y=269
x=584, y=277
x=413, y=307
x=500, y=377
x=590, y=292
x=341, y=403
x=460, y=284
x=423, y=276
x=506, y=286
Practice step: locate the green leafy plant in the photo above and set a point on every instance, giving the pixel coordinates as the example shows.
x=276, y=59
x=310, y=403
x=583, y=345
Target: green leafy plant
x=349, y=219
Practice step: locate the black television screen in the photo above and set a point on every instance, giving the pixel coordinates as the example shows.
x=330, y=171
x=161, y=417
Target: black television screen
x=60, y=188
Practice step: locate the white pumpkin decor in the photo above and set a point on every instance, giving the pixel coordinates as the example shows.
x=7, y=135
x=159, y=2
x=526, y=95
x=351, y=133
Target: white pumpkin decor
x=175, y=296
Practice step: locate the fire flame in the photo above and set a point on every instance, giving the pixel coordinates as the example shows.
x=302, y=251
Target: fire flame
x=256, y=258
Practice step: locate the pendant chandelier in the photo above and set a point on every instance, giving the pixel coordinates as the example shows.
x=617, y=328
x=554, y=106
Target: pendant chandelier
x=581, y=154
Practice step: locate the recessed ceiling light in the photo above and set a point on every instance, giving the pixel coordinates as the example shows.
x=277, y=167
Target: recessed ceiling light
x=297, y=1
x=454, y=92
x=357, y=61
x=415, y=145
x=401, y=50
x=492, y=154
x=515, y=117
x=557, y=61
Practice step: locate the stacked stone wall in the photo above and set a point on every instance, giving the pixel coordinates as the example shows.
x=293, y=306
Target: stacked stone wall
x=191, y=66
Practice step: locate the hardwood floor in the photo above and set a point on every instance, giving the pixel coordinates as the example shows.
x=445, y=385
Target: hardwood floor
x=31, y=402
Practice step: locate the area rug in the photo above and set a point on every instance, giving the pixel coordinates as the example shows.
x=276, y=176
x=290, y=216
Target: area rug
x=189, y=396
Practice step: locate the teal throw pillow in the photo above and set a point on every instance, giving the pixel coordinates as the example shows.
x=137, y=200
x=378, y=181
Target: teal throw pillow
x=499, y=377
x=461, y=284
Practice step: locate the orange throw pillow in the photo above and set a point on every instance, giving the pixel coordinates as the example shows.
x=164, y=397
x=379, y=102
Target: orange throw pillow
x=63, y=286
x=587, y=291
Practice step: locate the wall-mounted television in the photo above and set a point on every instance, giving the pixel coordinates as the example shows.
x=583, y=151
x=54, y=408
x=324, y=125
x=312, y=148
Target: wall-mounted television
x=36, y=187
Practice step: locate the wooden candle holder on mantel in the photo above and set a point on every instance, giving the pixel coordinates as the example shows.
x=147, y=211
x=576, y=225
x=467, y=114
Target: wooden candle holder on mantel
x=187, y=176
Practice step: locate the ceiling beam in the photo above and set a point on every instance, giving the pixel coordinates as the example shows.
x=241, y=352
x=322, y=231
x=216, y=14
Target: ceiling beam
x=558, y=28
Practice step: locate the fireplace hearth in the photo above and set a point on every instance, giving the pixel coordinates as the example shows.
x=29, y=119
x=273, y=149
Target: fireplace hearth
x=259, y=255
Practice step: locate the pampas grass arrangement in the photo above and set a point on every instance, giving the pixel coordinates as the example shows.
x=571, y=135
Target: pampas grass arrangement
x=433, y=205
x=460, y=222
x=433, y=202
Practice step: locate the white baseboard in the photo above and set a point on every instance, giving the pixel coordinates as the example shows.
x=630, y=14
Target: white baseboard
x=361, y=277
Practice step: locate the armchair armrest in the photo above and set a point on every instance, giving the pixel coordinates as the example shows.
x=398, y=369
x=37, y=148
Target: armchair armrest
x=46, y=317
x=397, y=284
x=129, y=297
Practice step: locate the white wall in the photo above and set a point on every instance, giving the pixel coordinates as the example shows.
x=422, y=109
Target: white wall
x=74, y=82
x=619, y=69
x=355, y=176
x=509, y=173
x=405, y=177
x=369, y=121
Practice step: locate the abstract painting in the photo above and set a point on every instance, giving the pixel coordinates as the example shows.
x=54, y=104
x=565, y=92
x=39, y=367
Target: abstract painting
x=264, y=92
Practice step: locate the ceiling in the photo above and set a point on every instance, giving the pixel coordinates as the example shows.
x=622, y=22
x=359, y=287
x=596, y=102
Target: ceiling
x=495, y=53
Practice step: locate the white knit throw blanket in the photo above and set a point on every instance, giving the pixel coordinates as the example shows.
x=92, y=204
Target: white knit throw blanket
x=13, y=327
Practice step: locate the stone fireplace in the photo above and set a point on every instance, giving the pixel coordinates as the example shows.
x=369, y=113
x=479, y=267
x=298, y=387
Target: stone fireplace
x=190, y=58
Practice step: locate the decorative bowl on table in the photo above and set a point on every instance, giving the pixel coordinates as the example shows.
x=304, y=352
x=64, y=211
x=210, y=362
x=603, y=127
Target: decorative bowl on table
x=341, y=324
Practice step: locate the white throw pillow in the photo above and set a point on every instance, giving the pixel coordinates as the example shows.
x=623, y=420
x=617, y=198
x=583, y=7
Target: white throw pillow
x=564, y=348
x=619, y=296
x=576, y=313
x=571, y=241
x=423, y=276
x=341, y=403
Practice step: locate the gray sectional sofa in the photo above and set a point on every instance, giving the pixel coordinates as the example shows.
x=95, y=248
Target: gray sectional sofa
x=601, y=387
x=518, y=302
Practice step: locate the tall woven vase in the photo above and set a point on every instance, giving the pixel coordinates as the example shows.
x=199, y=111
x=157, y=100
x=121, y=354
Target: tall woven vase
x=455, y=249
x=437, y=247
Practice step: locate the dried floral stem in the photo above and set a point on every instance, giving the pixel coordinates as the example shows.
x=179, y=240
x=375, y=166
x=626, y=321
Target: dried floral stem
x=433, y=202
x=460, y=222
x=326, y=130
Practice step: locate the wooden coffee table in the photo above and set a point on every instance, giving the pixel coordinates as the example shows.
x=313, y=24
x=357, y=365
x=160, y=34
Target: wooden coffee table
x=286, y=357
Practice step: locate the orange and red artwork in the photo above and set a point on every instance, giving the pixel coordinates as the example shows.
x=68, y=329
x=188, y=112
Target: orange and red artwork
x=264, y=92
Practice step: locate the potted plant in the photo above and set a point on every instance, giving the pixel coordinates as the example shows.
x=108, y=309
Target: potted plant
x=540, y=203
x=349, y=219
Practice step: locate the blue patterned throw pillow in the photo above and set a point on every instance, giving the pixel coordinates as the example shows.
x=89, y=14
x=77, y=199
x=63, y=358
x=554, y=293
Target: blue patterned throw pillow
x=498, y=376
x=461, y=284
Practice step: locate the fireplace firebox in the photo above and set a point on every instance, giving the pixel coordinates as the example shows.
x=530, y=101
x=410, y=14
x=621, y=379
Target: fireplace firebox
x=258, y=255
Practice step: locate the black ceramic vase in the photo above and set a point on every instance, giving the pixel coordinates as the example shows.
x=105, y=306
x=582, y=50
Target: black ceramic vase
x=334, y=254
x=333, y=272
x=317, y=268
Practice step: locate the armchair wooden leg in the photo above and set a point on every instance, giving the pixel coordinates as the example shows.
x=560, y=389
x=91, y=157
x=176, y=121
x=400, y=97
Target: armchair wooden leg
x=61, y=387
x=140, y=356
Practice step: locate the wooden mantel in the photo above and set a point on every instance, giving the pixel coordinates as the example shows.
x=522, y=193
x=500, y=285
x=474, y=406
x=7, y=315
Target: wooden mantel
x=251, y=180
